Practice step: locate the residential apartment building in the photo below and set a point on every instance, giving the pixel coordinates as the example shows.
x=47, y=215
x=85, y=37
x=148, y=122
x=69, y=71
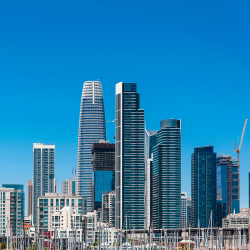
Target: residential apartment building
x=43, y=173
x=239, y=220
x=51, y=203
x=108, y=208
x=68, y=187
x=10, y=212
x=18, y=187
x=183, y=209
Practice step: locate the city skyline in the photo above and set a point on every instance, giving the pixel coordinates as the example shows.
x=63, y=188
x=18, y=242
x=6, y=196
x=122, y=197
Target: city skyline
x=189, y=63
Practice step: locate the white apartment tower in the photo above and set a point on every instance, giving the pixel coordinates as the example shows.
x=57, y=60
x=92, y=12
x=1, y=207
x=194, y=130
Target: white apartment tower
x=43, y=173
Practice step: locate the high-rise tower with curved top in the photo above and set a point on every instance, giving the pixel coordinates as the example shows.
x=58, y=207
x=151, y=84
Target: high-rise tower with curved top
x=92, y=128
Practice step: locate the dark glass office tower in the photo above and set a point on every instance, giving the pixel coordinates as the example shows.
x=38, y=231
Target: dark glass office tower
x=129, y=161
x=167, y=176
x=18, y=187
x=92, y=128
x=103, y=161
x=203, y=185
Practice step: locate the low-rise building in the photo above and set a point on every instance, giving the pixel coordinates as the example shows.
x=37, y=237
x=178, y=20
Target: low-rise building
x=240, y=220
x=67, y=223
x=51, y=203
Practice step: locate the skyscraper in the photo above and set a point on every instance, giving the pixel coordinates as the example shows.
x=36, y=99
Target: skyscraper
x=29, y=197
x=92, y=128
x=103, y=155
x=129, y=161
x=167, y=175
x=43, y=173
x=228, y=181
x=203, y=186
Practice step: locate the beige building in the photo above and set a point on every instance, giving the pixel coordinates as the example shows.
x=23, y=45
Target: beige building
x=10, y=212
x=239, y=220
x=29, y=197
x=51, y=203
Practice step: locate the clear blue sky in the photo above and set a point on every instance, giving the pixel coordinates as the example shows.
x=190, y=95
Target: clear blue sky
x=190, y=59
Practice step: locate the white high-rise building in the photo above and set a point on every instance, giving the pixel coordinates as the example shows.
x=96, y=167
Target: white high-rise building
x=43, y=173
x=183, y=209
x=92, y=128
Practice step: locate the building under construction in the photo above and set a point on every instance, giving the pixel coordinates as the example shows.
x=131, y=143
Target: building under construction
x=103, y=162
x=228, y=187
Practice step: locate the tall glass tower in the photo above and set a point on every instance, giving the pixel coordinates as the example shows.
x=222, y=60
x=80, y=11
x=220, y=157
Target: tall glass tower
x=167, y=176
x=91, y=129
x=129, y=158
x=203, y=186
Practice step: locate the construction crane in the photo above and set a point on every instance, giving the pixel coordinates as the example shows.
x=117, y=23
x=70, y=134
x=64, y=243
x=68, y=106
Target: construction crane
x=237, y=149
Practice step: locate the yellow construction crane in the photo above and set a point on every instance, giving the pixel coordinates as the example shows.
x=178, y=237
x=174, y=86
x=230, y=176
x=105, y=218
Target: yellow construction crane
x=237, y=149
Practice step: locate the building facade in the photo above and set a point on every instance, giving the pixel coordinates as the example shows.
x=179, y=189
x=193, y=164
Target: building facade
x=103, y=162
x=129, y=161
x=68, y=187
x=108, y=208
x=43, y=173
x=29, y=197
x=203, y=186
x=189, y=211
x=183, y=209
x=92, y=128
x=228, y=181
x=10, y=212
x=239, y=220
x=18, y=187
x=51, y=203
x=150, y=142
x=167, y=175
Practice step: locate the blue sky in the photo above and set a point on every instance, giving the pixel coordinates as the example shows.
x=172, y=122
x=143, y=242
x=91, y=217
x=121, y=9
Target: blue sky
x=190, y=60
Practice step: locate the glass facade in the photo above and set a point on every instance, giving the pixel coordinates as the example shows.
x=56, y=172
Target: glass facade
x=227, y=177
x=92, y=128
x=203, y=186
x=104, y=182
x=43, y=173
x=167, y=176
x=129, y=158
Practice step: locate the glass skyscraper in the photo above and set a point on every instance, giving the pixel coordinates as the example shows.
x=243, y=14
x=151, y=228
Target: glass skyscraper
x=92, y=128
x=43, y=175
x=203, y=186
x=129, y=161
x=167, y=176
